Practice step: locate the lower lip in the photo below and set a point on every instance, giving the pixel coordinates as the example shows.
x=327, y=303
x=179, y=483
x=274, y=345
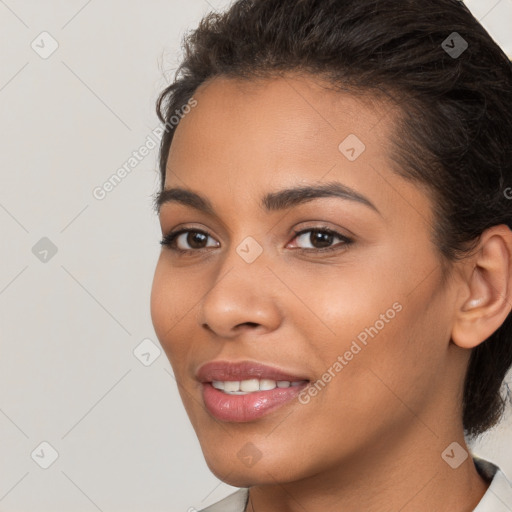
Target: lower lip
x=244, y=408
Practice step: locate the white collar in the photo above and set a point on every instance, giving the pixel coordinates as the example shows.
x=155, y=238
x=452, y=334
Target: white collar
x=498, y=497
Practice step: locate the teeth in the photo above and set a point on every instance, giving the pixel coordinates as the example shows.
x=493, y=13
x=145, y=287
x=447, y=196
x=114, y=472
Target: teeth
x=232, y=385
x=236, y=387
x=267, y=384
x=250, y=385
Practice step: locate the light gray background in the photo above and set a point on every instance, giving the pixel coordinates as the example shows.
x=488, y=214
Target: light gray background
x=70, y=324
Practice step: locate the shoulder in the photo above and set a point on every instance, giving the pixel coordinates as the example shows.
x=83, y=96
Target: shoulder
x=233, y=503
x=498, y=497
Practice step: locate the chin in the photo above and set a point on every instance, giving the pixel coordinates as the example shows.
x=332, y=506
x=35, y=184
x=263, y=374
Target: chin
x=237, y=478
x=238, y=469
x=245, y=477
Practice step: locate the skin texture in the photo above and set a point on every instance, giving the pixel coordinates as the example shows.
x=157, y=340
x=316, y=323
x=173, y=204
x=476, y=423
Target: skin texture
x=372, y=439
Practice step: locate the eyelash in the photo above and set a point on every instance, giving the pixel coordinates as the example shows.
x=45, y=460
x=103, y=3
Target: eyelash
x=169, y=240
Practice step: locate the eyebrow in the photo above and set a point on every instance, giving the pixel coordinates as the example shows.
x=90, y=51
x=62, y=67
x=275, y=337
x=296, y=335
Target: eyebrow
x=273, y=201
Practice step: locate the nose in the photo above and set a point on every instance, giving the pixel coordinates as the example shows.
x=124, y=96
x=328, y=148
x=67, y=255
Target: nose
x=241, y=298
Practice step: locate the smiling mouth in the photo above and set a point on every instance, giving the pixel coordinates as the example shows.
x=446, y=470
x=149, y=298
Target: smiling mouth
x=243, y=391
x=245, y=387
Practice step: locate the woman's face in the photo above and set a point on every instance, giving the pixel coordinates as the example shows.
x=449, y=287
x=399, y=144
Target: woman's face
x=357, y=311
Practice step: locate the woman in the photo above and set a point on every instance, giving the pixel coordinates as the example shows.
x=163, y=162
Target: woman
x=335, y=283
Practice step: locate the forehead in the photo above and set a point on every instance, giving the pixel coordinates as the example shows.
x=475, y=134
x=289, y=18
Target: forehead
x=290, y=118
x=246, y=138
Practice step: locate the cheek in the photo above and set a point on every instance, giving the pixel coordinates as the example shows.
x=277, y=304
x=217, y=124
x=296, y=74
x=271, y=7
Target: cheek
x=390, y=335
x=401, y=360
x=159, y=302
x=168, y=309
x=372, y=381
x=344, y=302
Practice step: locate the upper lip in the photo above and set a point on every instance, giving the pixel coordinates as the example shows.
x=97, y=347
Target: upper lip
x=243, y=370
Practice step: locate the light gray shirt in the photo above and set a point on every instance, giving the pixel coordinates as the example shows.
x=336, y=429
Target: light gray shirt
x=498, y=497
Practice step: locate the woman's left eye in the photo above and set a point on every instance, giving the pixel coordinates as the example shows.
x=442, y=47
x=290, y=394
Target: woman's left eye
x=320, y=240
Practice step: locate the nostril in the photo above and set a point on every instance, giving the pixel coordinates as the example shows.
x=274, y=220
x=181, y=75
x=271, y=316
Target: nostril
x=251, y=324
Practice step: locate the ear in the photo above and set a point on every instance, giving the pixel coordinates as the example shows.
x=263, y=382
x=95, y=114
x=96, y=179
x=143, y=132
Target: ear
x=487, y=298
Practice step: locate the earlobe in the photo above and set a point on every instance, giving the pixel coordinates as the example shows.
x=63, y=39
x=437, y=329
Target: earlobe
x=488, y=298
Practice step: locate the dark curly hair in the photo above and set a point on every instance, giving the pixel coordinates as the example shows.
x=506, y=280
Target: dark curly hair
x=453, y=134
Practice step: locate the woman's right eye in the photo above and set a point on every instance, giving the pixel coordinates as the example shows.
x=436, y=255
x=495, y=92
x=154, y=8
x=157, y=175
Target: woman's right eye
x=178, y=240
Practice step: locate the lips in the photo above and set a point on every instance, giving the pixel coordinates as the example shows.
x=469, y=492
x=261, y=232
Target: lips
x=250, y=406
x=245, y=370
